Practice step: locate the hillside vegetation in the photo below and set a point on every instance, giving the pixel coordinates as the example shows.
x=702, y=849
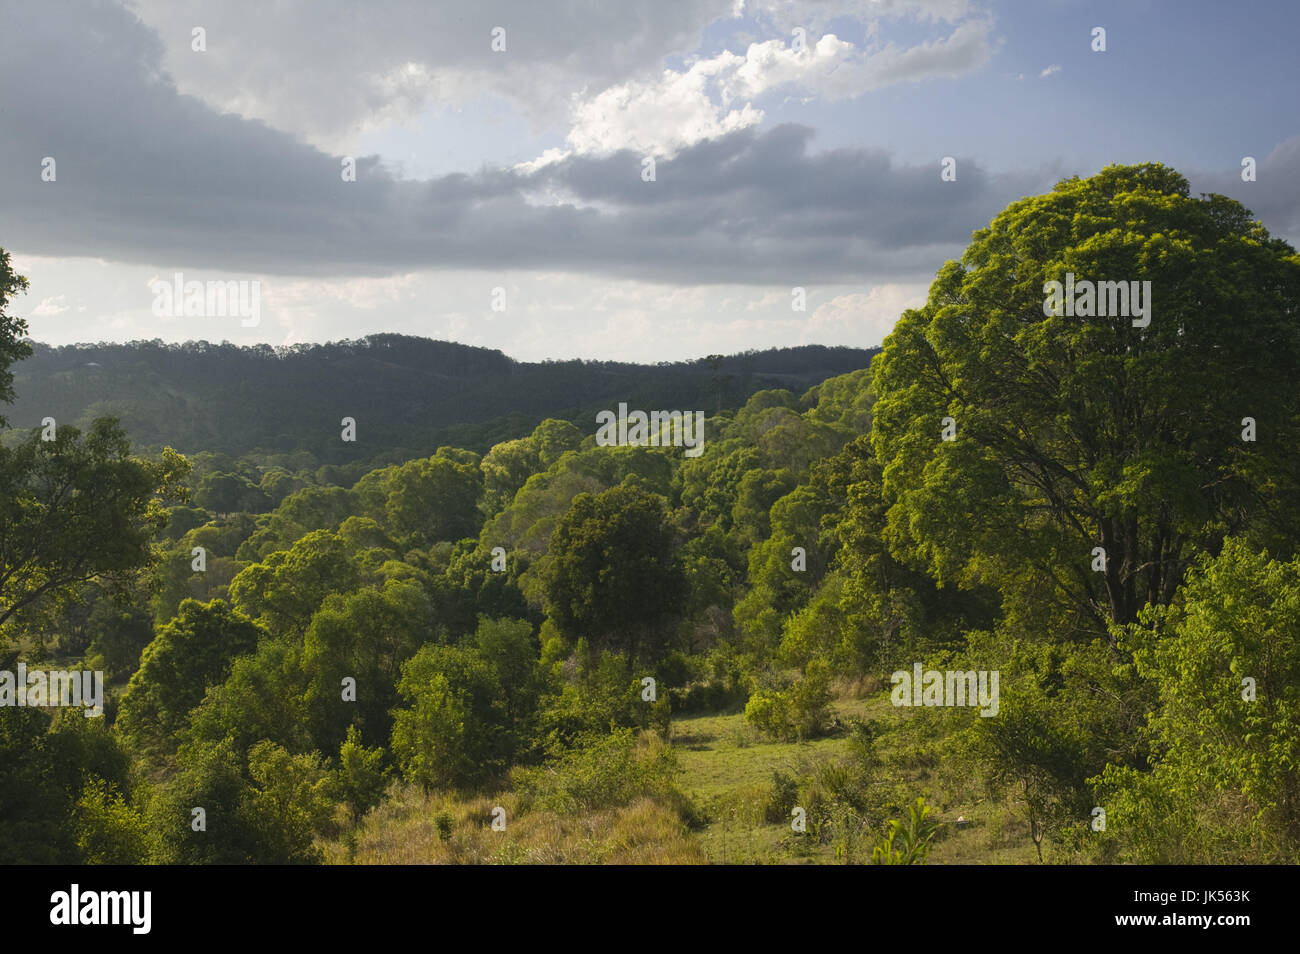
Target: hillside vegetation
x=549, y=650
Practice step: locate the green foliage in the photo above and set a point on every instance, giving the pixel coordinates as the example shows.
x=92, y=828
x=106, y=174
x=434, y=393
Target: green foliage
x=1119, y=689
x=118, y=635
x=362, y=776
x=776, y=588
x=230, y=493
x=264, y=697
x=801, y=711
x=289, y=803
x=1074, y=433
x=1064, y=713
x=14, y=345
x=109, y=831
x=75, y=509
x=599, y=696
x=61, y=790
x=615, y=578
x=268, y=814
x=452, y=732
x=506, y=468
x=284, y=591
x=607, y=772
x=366, y=636
x=783, y=797
x=311, y=508
x=1225, y=784
x=445, y=824
x=411, y=393
x=34, y=801
x=907, y=842
x=435, y=498
x=890, y=610
x=189, y=655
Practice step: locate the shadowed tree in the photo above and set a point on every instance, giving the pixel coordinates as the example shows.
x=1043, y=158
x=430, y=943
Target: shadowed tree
x=615, y=577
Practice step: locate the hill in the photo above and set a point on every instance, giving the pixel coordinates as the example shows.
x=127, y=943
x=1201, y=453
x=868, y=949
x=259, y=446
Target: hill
x=408, y=395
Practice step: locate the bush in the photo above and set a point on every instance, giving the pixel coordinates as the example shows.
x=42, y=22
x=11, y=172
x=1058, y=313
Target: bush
x=608, y=772
x=444, y=822
x=1225, y=659
x=783, y=796
x=109, y=831
x=452, y=733
x=800, y=712
x=362, y=777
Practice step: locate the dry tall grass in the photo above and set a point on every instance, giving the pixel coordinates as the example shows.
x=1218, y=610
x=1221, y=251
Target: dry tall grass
x=405, y=830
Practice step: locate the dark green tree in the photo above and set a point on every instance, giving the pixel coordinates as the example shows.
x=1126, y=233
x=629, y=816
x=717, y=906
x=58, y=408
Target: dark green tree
x=189, y=655
x=615, y=577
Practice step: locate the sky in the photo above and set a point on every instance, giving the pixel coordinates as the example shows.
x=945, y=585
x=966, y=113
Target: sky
x=637, y=180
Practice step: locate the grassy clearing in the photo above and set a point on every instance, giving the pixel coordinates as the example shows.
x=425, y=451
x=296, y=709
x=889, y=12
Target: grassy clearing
x=727, y=772
x=412, y=828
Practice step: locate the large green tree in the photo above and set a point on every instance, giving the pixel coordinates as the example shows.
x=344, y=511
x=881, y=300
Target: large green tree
x=615, y=577
x=1075, y=432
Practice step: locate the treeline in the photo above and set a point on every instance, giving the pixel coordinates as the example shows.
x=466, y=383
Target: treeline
x=409, y=395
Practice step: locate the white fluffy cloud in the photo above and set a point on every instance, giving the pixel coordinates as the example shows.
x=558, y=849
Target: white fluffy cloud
x=715, y=96
x=660, y=116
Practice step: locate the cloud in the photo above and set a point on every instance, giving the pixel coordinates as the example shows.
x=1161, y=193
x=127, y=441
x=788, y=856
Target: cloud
x=328, y=70
x=659, y=117
x=1054, y=68
x=863, y=318
x=817, y=14
x=1274, y=197
x=678, y=108
x=50, y=306
x=148, y=175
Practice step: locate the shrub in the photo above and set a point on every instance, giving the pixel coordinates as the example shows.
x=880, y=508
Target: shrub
x=783, y=795
x=801, y=711
x=908, y=840
x=607, y=772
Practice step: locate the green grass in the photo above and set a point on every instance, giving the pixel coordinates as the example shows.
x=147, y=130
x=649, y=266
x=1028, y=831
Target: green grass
x=727, y=771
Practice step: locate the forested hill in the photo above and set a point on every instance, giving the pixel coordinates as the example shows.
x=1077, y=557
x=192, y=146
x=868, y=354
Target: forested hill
x=408, y=395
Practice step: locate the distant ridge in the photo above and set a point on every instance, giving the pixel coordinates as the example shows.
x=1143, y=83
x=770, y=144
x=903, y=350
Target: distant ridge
x=407, y=394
